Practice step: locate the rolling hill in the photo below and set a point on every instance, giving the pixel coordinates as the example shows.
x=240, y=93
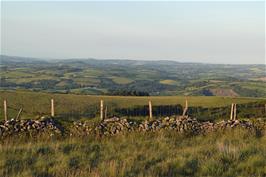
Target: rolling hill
x=128, y=77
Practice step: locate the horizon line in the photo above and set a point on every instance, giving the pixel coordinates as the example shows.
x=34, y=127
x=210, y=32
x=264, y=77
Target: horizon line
x=127, y=59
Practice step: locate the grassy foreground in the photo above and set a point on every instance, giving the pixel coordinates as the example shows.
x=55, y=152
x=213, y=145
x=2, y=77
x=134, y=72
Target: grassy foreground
x=233, y=153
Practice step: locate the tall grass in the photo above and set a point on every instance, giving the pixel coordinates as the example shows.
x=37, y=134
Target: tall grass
x=232, y=153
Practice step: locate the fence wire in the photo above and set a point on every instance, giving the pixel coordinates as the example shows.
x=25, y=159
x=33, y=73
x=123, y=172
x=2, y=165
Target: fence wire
x=248, y=110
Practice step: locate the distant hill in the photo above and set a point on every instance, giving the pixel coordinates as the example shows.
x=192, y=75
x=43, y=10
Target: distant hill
x=116, y=76
x=4, y=59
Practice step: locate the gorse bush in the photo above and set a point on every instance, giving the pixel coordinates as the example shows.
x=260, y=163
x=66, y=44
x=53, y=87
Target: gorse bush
x=233, y=153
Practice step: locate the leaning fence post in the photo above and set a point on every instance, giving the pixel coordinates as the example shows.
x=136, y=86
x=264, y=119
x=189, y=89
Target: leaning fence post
x=150, y=110
x=5, y=109
x=18, y=115
x=52, y=107
x=101, y=110
x=105, y=112
x=232, y=111
x=235, y=112
x=186, y=108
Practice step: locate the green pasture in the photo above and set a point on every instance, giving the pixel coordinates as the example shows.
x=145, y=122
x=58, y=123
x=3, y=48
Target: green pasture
x=38, y=103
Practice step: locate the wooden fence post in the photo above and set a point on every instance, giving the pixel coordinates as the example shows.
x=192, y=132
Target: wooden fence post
x=105, y=112
x=5, y=110
x=101, y=110
x=52, y=107
x=150, y=110
x=18, y=115
x=232, y=111
x=235, y=112
x=186, y=108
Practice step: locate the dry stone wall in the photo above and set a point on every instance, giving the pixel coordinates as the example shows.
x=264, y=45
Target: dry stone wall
x=116, y=125
x=43, y=125
x=181, y=124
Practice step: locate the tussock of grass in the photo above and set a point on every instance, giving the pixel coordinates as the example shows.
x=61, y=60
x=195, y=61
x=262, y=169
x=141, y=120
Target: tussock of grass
x=233, y=153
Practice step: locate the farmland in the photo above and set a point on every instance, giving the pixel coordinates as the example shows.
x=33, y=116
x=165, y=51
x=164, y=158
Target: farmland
x=121, y=77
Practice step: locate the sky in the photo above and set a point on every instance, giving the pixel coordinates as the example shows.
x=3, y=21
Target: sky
x=206, y=32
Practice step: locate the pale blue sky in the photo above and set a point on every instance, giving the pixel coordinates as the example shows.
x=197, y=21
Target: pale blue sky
x=213, y=32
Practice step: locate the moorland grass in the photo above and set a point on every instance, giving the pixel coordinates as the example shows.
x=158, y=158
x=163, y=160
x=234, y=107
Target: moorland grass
x=232, y=153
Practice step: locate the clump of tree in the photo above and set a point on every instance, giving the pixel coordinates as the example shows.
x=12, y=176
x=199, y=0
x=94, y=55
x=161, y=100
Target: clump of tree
x=128, y=93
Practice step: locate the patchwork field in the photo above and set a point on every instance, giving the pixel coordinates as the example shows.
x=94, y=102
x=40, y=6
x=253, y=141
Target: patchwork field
x=124, y=77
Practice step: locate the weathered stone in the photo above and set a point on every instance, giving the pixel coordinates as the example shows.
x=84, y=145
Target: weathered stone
x=115, y=125
x=14, y=126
